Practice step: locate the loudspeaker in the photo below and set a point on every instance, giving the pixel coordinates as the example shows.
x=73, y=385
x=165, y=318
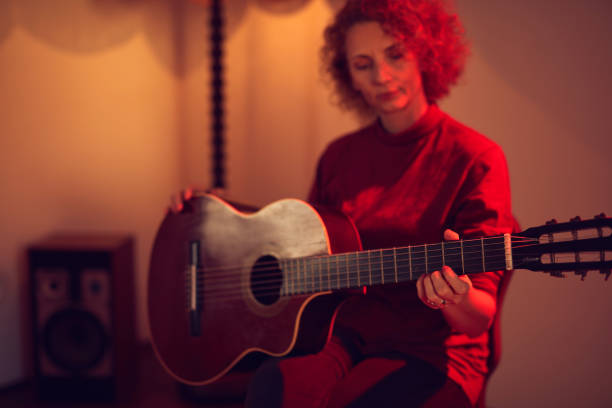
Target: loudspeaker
x=82, y=290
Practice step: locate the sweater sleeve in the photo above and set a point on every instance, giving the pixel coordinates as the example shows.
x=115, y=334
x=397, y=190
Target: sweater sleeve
x=484, y=207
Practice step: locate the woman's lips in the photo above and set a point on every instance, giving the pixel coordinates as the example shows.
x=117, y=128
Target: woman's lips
x=386, y=96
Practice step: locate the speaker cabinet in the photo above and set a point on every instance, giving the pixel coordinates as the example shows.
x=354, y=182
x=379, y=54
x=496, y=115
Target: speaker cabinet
x=82, y=289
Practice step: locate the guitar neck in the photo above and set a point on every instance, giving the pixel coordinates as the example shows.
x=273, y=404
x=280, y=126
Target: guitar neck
x=393, y=265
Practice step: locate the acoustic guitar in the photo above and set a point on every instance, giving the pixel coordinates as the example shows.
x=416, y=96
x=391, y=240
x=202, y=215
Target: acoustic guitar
x=225, y=283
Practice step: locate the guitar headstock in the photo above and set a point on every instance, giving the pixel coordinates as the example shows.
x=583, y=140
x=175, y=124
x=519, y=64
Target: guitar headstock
x=578, y=245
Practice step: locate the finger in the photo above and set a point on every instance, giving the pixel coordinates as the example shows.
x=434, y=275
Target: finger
x=450, y=235
x=458, y=284
x=430, y=293
x=420, y=290
x=176, y=204
x=187, y=193
x=441, y=287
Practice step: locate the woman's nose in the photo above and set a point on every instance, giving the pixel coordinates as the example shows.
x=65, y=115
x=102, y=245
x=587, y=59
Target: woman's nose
x=381, y=73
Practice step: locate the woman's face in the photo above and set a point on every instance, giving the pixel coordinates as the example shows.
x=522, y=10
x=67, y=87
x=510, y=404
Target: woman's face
x=382, y=70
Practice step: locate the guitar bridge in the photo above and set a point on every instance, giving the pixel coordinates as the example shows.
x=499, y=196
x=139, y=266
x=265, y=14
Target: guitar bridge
x=193, y=287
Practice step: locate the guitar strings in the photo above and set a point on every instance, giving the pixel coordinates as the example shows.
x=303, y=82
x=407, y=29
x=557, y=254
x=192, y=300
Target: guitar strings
x=306, y=287
x=434, y=261
x=265, y=289
x=467, y=244
x=302, y=285
x=222, y=272
x=288, y=265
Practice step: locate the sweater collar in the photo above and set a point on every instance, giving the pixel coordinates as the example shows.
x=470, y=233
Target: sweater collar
x=424, y=125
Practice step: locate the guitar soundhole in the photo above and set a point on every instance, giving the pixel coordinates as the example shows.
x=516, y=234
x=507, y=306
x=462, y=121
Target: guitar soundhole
x=266, y=280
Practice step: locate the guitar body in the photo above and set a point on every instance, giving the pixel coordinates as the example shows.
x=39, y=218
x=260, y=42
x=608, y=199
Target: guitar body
x=225, y=284
x=233, y=319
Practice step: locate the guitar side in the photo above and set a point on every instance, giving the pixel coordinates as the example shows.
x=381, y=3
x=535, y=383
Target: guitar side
x=233, y=320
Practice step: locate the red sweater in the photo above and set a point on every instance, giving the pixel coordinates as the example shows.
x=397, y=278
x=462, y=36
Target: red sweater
x=405, y=189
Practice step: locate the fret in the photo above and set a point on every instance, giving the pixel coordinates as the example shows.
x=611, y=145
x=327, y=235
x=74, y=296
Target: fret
x=453, y=256
x=426, y=260
x=291, y=276
x=356, y=263
x=410, y=261
x=435, y=256
x=298, y=286
x=340, y=271
x=337, y=272
x=484, y=268
x=496, y=253
x=418, y=261
x=370, y=268
x=472, y=253
x=296, y=276
x=340, y=274
x=443, y=260
x=285, y=287
x=462, y=260
x=328, y=276
x=352, y=270
x=333, y=271
x=363, y=268
x=403, y=266
x=386, y=263
x=312, y=275
x=342, y=266
x=395, y=264
x=304, y=281
x=320, y=279
x=300, y=275
x=307, y=278
x=292, y=262
x=378, y=276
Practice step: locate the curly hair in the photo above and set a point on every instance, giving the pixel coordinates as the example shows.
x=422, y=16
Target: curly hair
x=426, y=28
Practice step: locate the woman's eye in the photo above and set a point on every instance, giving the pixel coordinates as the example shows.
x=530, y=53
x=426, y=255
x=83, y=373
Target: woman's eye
x=361, y=66
x=396, y=55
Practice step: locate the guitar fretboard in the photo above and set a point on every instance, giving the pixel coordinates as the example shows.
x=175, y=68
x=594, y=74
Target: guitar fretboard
x=388, y=266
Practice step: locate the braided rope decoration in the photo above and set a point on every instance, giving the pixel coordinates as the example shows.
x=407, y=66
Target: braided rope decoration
x=216, y=68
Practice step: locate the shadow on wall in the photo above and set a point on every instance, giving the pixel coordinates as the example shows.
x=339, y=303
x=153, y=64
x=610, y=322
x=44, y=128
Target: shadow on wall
x=550, y=52
x=88, y=26
x=170, y=26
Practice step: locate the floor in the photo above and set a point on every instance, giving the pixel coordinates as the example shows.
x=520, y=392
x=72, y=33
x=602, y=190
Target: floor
x=154, y=388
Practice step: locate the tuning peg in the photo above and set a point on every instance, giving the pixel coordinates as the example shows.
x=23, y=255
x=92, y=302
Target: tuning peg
x=551, y=222
x=605, y=272
x=576, y=219
x=600, y=216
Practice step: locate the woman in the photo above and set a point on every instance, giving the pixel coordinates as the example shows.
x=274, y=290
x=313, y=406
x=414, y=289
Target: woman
x=413, y=176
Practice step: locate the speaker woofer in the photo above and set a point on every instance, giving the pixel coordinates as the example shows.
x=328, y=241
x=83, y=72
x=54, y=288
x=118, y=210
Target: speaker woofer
x=75, y=340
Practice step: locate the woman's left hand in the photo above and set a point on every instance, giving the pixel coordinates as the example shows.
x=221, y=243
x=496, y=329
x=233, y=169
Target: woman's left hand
x=440, y=289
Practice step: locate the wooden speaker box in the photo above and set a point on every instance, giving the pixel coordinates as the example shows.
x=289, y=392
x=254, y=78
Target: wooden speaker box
x=82, y=291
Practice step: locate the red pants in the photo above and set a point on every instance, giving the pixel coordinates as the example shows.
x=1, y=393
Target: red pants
x=331, y=379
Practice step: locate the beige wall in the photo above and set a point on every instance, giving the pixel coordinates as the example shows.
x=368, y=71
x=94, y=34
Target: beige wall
x=89, y=136
x=98, y=128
